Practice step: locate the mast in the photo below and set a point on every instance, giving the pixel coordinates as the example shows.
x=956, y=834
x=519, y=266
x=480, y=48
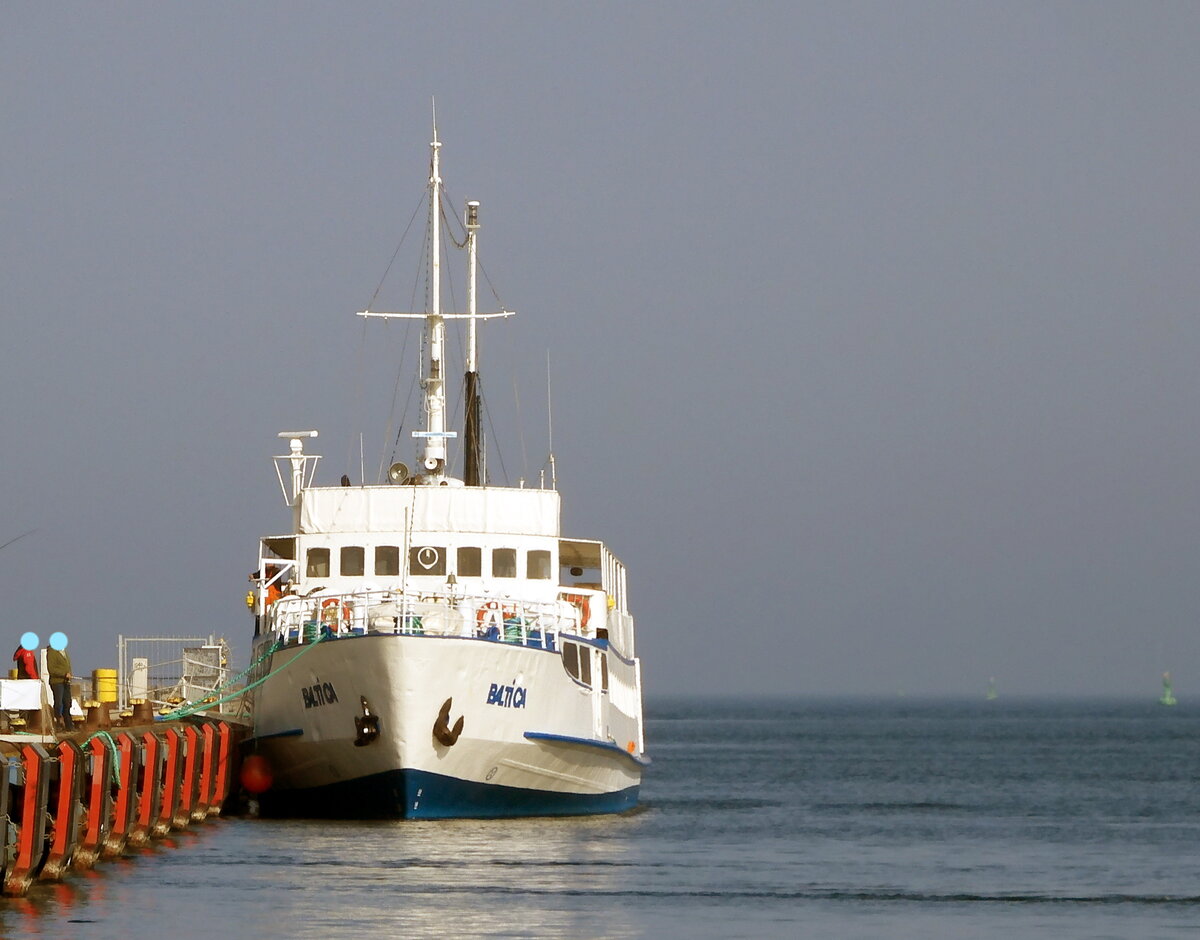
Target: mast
x=473, y=459
x=434, y=384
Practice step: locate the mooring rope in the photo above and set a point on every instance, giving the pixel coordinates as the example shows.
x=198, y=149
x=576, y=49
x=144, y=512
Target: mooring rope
x=190, y=708
x=207, y=703
x=112, y=746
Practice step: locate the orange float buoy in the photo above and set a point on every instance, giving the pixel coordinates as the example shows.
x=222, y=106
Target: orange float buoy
x=256, y=774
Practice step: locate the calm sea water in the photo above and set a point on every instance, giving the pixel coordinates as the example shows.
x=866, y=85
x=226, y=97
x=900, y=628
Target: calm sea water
x=767, y=819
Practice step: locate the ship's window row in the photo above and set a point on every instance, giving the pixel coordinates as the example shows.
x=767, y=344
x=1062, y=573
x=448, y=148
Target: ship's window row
x=428, y=561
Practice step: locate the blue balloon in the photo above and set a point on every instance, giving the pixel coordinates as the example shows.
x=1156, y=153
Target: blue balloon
x=58, y=640
x=29, y=640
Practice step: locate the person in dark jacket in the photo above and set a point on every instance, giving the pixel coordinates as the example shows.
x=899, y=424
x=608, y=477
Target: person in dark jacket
x=58, y=669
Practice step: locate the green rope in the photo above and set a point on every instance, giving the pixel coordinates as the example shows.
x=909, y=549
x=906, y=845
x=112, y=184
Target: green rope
x=200, y=706
x=273, y=648
x=191, y=708
x=112, y=746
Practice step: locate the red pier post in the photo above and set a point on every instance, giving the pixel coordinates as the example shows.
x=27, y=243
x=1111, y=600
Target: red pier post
x=124, y=796
x=204, y=797
x=189, y=780
x=67, y=811
x=31, y=831
x=150, y=789
x=223, y=776
x=172, y=772
x=6, y=765
x=98, y=803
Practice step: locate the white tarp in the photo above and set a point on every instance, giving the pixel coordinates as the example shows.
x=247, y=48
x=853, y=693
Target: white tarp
x=20, y=694
x=500, y=511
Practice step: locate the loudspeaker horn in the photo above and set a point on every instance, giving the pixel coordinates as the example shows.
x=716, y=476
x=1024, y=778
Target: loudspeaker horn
x=398, y=473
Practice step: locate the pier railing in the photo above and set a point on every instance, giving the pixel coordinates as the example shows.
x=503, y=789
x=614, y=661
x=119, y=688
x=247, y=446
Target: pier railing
x=168, y=671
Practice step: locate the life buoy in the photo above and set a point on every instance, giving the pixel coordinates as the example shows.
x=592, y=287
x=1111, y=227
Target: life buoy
x=582, y=603
x=488, y=615
x=330, y=613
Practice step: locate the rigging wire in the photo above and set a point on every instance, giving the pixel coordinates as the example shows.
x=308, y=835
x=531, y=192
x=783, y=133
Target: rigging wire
x=411, y=219
x=450, y=223
x=491, y=286
x=446, y=220
x=391, y=446
x=392, y=412
x=499, y=454
x=521, y=429
x=360, y=391
x=360, y=394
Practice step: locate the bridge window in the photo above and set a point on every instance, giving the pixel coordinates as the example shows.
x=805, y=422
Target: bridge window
x=387, y=560
x=427, y=560
x=470, y=562
x=538, y=565
x=352, y=561
x=577, y=661
x=504, y=562
x=570, y=659
x=317, y=563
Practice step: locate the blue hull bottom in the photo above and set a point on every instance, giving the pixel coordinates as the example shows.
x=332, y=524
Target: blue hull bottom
x=414, y=794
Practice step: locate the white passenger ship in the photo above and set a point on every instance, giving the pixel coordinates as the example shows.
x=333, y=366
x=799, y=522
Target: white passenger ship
x=434, y=647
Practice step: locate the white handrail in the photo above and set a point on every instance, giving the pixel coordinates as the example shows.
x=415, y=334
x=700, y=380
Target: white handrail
x=431, y=613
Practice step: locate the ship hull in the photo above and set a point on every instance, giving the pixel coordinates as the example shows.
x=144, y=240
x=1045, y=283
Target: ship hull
x=414, y=794
x=359, y=727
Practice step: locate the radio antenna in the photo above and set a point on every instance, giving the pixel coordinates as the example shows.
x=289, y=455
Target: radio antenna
x=550, y=425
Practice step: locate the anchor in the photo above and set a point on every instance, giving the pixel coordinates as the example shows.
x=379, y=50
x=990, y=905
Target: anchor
x=366, y=728
x=441, y=728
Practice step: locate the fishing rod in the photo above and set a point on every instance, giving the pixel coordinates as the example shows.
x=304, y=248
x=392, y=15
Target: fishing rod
x=17, y=539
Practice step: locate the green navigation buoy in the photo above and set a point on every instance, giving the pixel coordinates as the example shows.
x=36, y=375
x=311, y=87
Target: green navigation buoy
x=1168, y=696
x=992, y=694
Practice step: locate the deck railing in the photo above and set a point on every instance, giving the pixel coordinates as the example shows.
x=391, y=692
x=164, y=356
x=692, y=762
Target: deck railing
x=535, y=623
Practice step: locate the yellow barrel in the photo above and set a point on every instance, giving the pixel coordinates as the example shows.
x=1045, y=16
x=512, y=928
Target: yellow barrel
x=104, y=685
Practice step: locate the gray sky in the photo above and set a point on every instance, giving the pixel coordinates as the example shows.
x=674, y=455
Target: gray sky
x=872, y=326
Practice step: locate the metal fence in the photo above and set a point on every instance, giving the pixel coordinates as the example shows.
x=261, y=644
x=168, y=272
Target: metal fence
x=169, y=671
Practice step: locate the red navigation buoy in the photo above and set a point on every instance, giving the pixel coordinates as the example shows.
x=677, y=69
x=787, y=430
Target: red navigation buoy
x=256, y=774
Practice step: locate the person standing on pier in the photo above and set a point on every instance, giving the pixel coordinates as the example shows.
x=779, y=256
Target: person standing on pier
x=25, y=659
x=58, y=668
